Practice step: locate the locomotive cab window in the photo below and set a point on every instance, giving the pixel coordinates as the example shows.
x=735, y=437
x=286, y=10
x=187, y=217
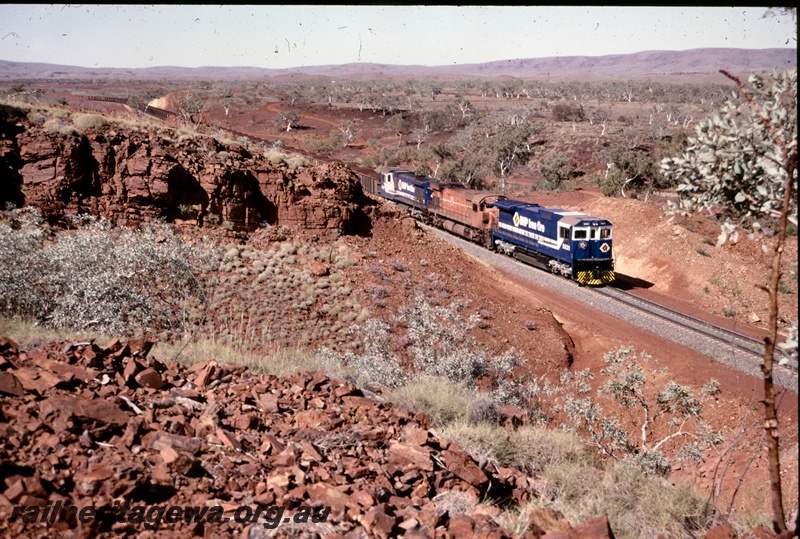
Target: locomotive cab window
x=474, y=207
x=605, y=233
x=563, y=232
x=579, y=234
x=592, y=233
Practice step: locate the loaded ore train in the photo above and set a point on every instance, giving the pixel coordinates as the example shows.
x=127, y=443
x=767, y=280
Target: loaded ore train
x=568, y=243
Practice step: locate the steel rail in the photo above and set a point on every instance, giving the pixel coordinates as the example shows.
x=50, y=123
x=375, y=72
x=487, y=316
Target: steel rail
x=744, y=343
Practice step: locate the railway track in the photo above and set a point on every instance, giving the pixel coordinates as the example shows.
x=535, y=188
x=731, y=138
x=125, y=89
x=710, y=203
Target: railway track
x=741, y=343
x=735, y=342
x=738, y=351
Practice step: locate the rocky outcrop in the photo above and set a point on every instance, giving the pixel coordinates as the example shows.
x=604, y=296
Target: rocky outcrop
x=10, y=180
x=133, y=175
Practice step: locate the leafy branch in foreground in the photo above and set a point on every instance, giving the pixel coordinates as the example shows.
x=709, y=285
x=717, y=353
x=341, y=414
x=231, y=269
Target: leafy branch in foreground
x=743, y=163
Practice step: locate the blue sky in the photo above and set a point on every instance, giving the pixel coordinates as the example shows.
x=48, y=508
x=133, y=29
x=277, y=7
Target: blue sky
x=275, y=36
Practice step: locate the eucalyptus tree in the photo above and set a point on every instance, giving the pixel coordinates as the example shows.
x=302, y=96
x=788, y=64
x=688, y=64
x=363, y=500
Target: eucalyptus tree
x=286, y=121
x=138, y=100
x=399, y=126
x=742, y=162
x=509, y=149
x=191, y=108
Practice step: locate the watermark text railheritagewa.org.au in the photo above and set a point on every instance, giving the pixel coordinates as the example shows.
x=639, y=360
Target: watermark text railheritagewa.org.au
x=151, y=517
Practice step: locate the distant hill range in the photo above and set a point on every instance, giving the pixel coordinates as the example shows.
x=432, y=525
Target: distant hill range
x=653, y=64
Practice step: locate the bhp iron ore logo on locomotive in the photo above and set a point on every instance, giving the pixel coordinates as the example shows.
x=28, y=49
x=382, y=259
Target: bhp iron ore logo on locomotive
x=521, y=220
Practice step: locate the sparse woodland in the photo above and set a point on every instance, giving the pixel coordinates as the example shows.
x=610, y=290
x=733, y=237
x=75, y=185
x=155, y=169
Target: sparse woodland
x=598, y=424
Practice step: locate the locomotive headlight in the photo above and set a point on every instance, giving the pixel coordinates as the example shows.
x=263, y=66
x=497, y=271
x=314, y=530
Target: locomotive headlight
x=582, y=245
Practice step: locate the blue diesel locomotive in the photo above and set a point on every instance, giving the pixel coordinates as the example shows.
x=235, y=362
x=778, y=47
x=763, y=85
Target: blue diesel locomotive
x=569, y=243
x=405, y=187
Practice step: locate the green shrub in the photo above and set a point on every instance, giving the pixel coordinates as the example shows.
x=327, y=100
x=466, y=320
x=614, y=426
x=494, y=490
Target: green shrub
x=187, y=210
x=437, y=345
x=116, y=281
x=671, y=410
x=296, y=162
x=36, y=117
x=398, y=265
x=375, y=363
x=58, y=126
x=89, y=121
x=556, y=169
x=325, y=146
x=567, y=112
x=379, y=291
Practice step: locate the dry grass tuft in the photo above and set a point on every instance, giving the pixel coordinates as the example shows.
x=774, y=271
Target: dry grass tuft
x=89, y=121
x=278, y=362
x=30, y=336
x=441, y=401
